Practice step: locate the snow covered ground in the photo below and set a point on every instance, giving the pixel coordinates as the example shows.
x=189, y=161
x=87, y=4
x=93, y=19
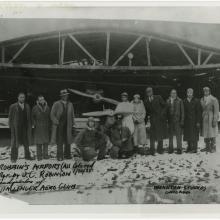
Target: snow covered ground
x=131, y=180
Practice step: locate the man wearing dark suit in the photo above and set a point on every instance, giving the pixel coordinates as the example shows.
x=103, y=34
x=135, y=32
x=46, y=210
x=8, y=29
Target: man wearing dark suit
x=175, y=114
x=192, y=119
x=155, y=110
x=20, y=125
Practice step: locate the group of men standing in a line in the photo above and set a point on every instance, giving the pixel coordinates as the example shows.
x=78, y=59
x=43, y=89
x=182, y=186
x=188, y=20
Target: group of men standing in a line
x=118, y=134
x=190, y=115
x=53, y=126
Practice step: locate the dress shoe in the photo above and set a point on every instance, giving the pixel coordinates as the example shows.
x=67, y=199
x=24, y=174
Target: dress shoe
x=188, y=150
x=205, y=149
x=170, y=151
x=179, y=151
x=152, y=152
x=29, y=158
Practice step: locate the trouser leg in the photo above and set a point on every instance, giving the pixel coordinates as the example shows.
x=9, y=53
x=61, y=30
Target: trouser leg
x=102, y=151
x=189, y=146
x=26, y=146
x=39, y=152
x=152, y=146
x=212, y=145
x=160, y=146
x=67, y=152
x=179, y=140
x=45, y=151
x=14, y=152
x=27, y=152
x=114, y=152
x=194, y=146
x=170, y=142
x=207, y=145
x=60, y=151
x=60, y=142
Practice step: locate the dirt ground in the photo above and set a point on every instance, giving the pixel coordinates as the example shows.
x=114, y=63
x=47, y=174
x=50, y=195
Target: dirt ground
x=131, y=180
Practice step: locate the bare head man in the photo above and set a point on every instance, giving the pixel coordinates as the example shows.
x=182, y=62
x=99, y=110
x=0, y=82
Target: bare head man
x=206, y=91
x=124, y=97
x=41, y=100
x=189, y=93
x=21, y=97
x=173, y=93
x=149, y=91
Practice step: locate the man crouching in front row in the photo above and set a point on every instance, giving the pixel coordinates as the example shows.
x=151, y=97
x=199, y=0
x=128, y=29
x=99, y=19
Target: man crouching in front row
x=91, y=143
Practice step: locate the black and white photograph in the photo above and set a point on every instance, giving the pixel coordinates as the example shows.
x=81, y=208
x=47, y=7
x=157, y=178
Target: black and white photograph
x=110, y=106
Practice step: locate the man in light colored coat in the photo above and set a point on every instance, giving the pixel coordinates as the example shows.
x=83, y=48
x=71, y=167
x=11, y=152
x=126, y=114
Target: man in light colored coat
x=210, y=114
x=62, y=117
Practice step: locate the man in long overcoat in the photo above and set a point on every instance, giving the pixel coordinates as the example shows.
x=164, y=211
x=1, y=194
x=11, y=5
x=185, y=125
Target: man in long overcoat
x=210, y=115
x=192, y=119
x=62, y=117
x=20, y=125
x=156, y=111
x=175, y=116
x=41, y=124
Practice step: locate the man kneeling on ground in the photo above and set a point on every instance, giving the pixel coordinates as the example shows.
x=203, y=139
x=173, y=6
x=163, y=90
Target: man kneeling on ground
x=121, y=139
x=91, y=142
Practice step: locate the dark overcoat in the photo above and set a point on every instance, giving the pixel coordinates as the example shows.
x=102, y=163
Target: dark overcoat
x=41, y=123
x=56, y=112
x=175, y=116
x=156, y=109
x=13, y=121
x=192, y=117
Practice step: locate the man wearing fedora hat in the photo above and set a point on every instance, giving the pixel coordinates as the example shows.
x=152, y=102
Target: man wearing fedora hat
x=62, y=116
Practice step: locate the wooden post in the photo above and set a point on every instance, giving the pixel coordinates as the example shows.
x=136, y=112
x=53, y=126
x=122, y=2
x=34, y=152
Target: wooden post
x=185, y=54
x=148, y=51
x=208, y=58
x=199, y=56
x=82, y=47
x=127, y=51
x=19, y=52
x=3, y=55
x=62, y=51
x=107, y=49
